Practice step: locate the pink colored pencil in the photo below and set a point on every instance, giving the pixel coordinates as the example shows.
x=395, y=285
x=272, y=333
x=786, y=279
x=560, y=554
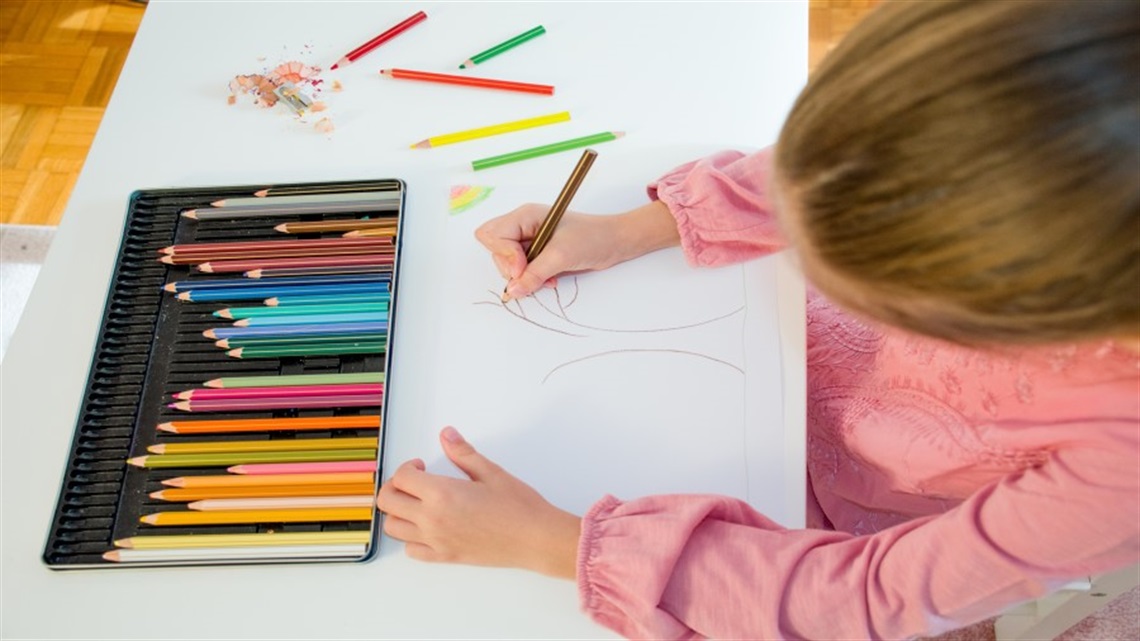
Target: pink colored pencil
x=210, y=394
x=330, y=467
x=228, y=266
x=292, y=402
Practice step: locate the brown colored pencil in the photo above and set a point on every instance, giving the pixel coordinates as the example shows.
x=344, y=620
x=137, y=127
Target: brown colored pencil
x=319, y=226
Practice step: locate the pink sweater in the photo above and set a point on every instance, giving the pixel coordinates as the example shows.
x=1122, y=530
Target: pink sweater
x=947, y=484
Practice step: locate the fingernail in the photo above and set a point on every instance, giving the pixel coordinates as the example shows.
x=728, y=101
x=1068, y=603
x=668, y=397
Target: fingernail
x=514, y=290
x=452, y=435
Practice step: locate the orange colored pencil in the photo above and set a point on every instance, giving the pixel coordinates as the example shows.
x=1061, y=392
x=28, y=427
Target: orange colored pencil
x=200, y=493
x=223, y=426
x=281, y=503
x=309, y=515
x=468, y=81
x=369, y=233
x=239, y=480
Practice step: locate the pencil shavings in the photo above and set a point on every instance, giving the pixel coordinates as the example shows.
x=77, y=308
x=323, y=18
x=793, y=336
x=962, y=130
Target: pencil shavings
x=464, y=197
x=293, y=83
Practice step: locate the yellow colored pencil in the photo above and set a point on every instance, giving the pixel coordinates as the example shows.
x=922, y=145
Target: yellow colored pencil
x=274, y=445
x=492, y=130
x=281, y=503
x=261, y=480
x=259, y=539
x=314, y=515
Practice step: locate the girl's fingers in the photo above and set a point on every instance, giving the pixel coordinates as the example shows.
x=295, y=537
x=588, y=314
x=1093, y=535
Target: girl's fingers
x=402, y=529
x=410, y=478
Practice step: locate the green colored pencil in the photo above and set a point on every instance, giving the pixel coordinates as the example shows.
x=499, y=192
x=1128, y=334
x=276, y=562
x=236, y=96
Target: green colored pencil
x=234, y=382
x=239, y=458
x=336, y=349
x=503, y=46
x=285, y=341
x=297, y=310
x=534, y=152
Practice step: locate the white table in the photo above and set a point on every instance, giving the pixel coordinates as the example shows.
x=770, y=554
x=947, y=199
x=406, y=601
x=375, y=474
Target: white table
x=681, y=79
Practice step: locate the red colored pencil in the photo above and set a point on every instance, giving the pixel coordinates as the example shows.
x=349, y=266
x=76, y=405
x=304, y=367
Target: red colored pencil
x=351, y=56
x=485, y=83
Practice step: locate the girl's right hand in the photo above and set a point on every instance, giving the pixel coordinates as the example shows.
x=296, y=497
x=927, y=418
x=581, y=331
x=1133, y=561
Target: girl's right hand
x=581, y=242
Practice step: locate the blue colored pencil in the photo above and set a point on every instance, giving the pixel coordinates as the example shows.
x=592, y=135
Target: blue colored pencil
x=261, y=293
x=307, y=329
x=330, y=299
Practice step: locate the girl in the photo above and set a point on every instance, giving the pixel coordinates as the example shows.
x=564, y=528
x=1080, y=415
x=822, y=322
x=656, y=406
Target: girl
x=960, y=184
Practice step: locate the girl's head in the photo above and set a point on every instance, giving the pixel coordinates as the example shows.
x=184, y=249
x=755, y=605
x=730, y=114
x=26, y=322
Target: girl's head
x=971, y=171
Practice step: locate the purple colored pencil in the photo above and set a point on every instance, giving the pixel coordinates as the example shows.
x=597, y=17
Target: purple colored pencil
x=209, y=394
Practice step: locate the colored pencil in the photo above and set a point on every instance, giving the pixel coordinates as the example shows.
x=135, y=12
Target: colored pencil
x=366, y=233
x=535, y=152
x=328, y=188
x=237, y=283
x=270, y=289
x=281, y=503
x=183, y=495
x=325, y=299
x=275, y=246
x=380, y=246
x=269, y=445
x=248, y=553
x=308, y=199
x=258, y=539
x=550, y=222
x=492, y=130
x=468, y=81
x=237, y=313
x=235, y=458
x=307, y=329
x=266, y=274
x=281, y=390
x=359, y=317
x=237, y=382
x=506, y=45
x=285, y=341
x=240, y=480
x=311, y=350
x=225, y=426
x=231, y=266
x=320, y=226
x=304, y=468
x=291, y=402
x=312, y=515
x=401, y=27
x=271, y=209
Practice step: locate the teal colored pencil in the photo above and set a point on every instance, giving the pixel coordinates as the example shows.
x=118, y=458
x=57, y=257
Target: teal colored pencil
x=336, y=349
x=503, y=46
x=285, y=341
x=535, y=152
x=312, y=319
x=328, y=299
x=292, y=380
x=301, y=310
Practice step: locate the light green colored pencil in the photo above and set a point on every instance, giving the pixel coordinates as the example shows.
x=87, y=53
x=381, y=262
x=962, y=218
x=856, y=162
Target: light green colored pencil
x=234, y=382
x=544, y=150
x=298, y=310
x=310, y=350
x=240, y=458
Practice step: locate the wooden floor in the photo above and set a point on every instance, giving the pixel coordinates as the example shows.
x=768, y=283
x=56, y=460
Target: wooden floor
x=58, y=65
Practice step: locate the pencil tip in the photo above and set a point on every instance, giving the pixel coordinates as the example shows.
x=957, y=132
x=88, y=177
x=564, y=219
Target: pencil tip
x=352, y=234
x=157, y=494
x=178, y=481
x=272, y=302
x=169, y=287
x=156, y=449
x=224, y=313
x=261, y=194
x=185, y=396
x=236, y=353
x=209, y=333
x=167, y=427
x=181, y=405
x=618, y=134
x=113, y=555
x=185, y=296
x=168, y=259
x=218, y=203
x=224, y=343
x=242, y=323
x=282, y=228
x=138, y=461
x=213, y=382
x=384, y=72
x=206, y=267
x=236, y=469
x=423, y=144
x=124, y=543
x=191, y=214
x=149, y=519
x=253, y=273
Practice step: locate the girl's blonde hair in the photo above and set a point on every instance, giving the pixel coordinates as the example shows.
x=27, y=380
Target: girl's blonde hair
x=976, y=165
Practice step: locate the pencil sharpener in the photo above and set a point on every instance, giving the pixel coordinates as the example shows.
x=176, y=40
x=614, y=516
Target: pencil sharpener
x=289, y=94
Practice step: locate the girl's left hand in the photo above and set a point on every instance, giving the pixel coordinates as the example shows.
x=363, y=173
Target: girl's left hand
x=493, y=519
